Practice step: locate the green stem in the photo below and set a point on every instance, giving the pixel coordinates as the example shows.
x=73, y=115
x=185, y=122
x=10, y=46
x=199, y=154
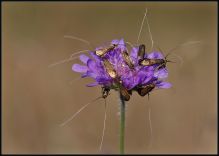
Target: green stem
x=122, y=124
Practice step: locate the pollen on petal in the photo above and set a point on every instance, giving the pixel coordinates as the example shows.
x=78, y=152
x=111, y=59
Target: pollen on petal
x=79, y=68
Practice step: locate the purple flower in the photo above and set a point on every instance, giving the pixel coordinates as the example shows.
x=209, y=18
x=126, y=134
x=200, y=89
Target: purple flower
x=130, y=78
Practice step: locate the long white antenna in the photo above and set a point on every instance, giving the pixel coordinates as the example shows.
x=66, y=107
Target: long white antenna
x=180, y=46
x=149, y=29
x=68, y=59
x=150, y=125
x=79, y=52
x=184, y=44
x=74, y=115
x=62, y=61
x=79, y=39
x=130, y=44
x=179, y=58
x=104, y=126
x=142, y=23
x=74, y=80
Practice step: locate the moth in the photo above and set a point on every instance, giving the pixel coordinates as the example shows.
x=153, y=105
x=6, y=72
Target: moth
x=127, y=59
x=112, y=73
x=161, y=63
x=144, y=90
x=104, y=51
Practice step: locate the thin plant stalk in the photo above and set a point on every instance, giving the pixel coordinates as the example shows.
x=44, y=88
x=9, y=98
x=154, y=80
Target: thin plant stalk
x=122, y=125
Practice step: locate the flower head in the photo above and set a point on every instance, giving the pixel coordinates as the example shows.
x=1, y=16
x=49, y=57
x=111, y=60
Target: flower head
x=112, y=62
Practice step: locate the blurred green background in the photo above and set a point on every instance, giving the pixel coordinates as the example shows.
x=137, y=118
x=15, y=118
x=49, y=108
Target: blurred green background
x=36, y=99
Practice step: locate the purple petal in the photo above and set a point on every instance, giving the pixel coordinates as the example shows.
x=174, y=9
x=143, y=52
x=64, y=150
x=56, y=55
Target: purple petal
x=134, y=53
x=122, y=45
x=163, y=85
x=121, y=42
x=115, y=42
x=161, y=74
x=92, y=84
x=95, y=56
x=128, y=80
x=91, y=74
x=128, y=83
x=84, y=58
x=79, y=68
x=95, y=67
x=136, y=81
x=103, y=80
x=91, y=64
x=155, y=55
x=145, y=77
x=134, y=56
x=84, y=75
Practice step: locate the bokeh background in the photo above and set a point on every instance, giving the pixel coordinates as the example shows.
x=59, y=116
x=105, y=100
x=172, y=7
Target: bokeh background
x=36, y=99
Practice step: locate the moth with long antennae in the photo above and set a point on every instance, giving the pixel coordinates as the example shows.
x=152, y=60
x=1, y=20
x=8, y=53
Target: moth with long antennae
x=127, y=59
x=99, y=52
x=112, y=73
x=146, y=89
x=102, y=52
x=141, y=51
x=150, y=62
x=87, y=42
x=161, y=62
x=152, y=86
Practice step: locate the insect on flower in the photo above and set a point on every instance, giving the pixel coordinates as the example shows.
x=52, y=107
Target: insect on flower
x=144, y=90
x=105, y=92
x=103, y=51
x=109, y=68
x=141, y=51
x=115, y=68
x=127, y=59
x=149, y=87
x=112, y=73
x=159, y=61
